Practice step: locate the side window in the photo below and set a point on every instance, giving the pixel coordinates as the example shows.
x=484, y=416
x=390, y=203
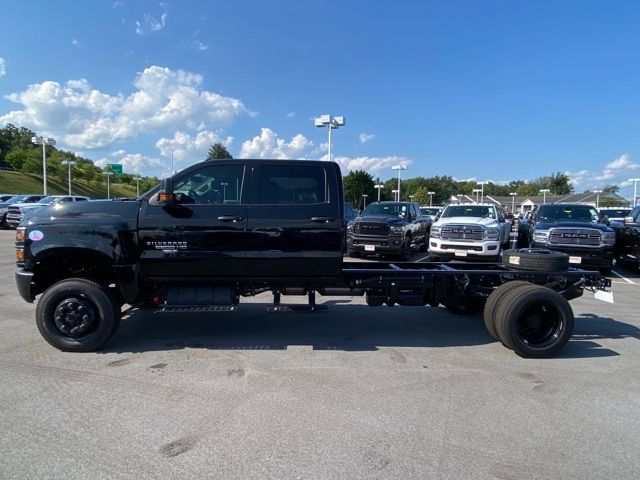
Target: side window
x=280, y=185
x=81, y=199
x=215, y=184
x=66, y=200
x=416, y=212
x=636, y=215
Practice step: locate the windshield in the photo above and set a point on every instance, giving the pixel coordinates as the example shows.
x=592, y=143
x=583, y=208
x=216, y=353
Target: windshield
x=429, y=211
x=47, y=200
x=16, y=199
x=616, y=212
x=477, y=211
x=387, y=209
x=568, y=212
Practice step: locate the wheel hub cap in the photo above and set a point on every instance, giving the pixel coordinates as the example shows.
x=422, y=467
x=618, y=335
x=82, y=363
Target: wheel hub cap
x=74, y=317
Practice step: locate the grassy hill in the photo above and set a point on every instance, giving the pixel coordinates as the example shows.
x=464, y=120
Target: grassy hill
x=16, y=182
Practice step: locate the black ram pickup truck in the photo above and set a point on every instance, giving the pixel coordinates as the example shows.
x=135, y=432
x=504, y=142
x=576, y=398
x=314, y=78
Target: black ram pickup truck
x=222, y=230
x=575, y=229
x=389, y=228
x=628, y=238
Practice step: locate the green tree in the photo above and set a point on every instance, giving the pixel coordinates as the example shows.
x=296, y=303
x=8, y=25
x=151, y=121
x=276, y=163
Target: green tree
x=217, y=151
x=611, y=189
x=357, y=183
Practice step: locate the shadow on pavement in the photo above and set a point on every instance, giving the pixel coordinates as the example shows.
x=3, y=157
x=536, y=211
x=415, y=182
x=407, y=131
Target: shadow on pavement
x=347, y=328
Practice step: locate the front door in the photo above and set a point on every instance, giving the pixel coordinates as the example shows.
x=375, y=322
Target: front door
x=205, y=234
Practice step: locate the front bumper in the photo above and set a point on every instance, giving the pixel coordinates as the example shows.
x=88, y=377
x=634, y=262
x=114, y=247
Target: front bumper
x=600, y=257
x=380, y=244
x=24, y=282
x=448, y=248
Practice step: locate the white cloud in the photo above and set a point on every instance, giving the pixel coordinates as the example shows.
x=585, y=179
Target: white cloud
x=118, y=3
x=365, y=137
x=268, y=145
x=150, y=23
x=372, y=165
x=198, y=45
x=3, y=68
x=291, y=114
x=75, y=42
x=137, y=163
x=85, y=118
x=616, y=172
x=189, y=149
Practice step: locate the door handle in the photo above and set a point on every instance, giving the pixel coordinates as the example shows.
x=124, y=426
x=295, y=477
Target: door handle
x=322, y=219
x=229, y=218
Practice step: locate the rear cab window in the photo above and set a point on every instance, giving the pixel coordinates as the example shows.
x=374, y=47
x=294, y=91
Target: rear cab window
x=292, y=185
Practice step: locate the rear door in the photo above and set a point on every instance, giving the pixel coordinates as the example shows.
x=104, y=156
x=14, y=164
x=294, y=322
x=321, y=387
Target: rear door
x=205, y=235
x=295, y=220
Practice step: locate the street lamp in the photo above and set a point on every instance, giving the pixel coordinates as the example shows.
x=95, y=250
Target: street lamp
x=69, y=163
x=477, y=191
x=137, y=179
x=597, y=192
x=431, y=194
x=108, y=174
x=331, y=123
x=44, y=141
x=411, y=198
x=635, y=190
x=364, y=200
x=544, y=192
x=513, y=201
x=460, y=195
x=399, y=168
x=379, y=187
x=396, y=192
x=482, y=184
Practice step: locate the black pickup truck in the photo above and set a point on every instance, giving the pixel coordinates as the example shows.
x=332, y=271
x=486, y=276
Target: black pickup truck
x=628, y=238
x=222, y=230
x=394, y=228
x=575, y=229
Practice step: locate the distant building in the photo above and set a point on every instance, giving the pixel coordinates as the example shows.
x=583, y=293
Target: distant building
x=527, y=203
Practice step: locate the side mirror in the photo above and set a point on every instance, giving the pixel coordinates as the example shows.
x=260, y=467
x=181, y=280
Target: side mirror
x=628, y=220
x=166, y=198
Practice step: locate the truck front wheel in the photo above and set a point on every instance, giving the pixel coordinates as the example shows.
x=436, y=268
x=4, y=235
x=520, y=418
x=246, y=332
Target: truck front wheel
x=77, y=315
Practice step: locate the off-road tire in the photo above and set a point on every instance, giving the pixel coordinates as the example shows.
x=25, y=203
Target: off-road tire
x=536, y=260
x=105, y=306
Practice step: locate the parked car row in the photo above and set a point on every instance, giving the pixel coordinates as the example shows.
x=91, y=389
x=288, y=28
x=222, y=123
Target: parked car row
x=13, y=208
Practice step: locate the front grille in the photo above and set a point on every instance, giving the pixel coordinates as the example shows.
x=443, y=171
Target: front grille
x=371, y=228
x=462, y=232
x=575, y=236
x=471, y=248
x=15, y=210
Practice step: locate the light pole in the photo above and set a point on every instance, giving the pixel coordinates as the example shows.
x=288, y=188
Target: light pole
x=44, y=141
x=513, y=201
x=395, y=195
x=224, y=190
x=431, y=194
x=482, y=184
x=460, y=197
x=69, y=163
x=597, y=192
x=108, y=174
x=364, y=201
x=331, y=123
x=137, y=179
x=635, y=190
x=477, y=191
x=411, y=198
x=379, y=187
x=399, y=168
x=544, y=192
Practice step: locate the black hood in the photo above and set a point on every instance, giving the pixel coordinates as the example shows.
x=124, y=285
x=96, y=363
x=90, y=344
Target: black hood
x=388, y=219
x=120, y=213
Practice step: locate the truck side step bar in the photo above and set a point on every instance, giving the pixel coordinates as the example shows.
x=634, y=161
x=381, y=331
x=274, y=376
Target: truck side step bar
x=296, y=308
x=197, y=308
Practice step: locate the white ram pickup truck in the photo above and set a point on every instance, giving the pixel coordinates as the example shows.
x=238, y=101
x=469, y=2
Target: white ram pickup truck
x=466, y=231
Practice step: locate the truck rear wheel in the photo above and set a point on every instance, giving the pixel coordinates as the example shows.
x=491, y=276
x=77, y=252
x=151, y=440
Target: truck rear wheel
x=534, y=321
x=77, y=315
x=492, y=302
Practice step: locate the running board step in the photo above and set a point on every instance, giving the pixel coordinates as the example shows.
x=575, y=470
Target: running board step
x=197, y=308
x=297, y=308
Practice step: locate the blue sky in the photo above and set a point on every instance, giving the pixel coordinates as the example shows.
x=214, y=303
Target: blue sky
x=493, y=90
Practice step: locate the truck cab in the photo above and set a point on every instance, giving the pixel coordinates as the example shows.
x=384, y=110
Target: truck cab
x=628, y=238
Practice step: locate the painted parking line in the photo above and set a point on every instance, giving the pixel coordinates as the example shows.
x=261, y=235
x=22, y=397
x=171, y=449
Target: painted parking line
x=623, y=278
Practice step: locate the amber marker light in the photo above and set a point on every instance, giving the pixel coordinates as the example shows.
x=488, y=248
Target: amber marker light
x=20, y=234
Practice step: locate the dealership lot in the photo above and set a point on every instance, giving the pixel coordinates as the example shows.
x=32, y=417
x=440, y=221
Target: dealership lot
x=355, y=392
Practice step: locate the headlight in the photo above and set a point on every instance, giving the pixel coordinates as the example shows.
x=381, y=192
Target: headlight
x=491, y=234
x=396, y=229
x=541, y=236
x=435, y=232
x=350, y=227
x=609, y=238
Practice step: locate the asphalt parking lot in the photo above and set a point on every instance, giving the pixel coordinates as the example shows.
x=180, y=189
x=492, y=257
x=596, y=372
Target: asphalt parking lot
x=355, y=392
